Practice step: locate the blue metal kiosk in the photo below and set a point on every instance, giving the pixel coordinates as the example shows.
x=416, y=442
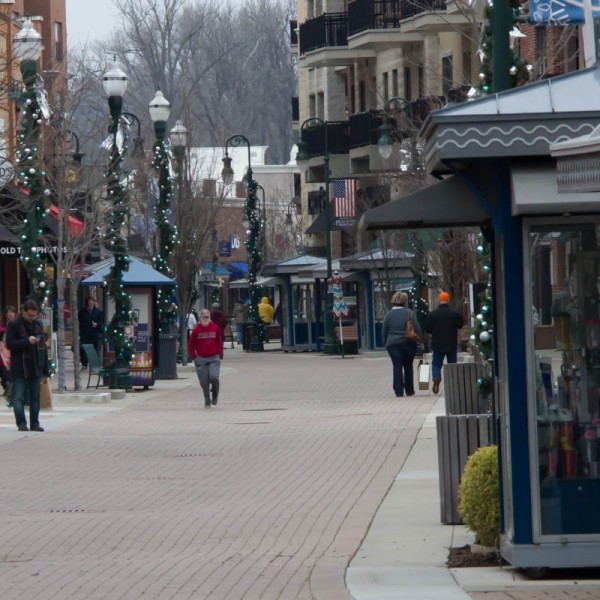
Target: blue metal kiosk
x=495, y=162
x=141, y=281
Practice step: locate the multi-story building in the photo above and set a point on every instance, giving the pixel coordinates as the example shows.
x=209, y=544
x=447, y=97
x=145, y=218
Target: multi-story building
x=364, y=63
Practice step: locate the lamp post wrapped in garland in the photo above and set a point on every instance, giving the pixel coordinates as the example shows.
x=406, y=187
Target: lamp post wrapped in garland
x=28, y=48
x=115, y=84
x=315, y=124
x=167, y=234
x=255, y=260
x=160, y=110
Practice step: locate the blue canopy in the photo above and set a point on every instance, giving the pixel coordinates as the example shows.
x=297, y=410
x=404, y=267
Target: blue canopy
x=139, y=273
x=237, y=270
x=219, y=270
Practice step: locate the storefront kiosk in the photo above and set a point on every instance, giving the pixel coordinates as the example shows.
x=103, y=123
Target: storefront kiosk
x=494, y=156
x=141, y=281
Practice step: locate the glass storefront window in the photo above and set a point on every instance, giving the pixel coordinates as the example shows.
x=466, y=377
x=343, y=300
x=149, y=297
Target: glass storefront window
x=565, y=292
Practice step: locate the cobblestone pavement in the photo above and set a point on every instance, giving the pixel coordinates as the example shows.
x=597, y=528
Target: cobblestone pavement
x=266, y=496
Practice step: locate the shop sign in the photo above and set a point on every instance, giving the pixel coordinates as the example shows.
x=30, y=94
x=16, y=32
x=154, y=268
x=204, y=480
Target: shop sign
x=7, y=249
x=7, y=171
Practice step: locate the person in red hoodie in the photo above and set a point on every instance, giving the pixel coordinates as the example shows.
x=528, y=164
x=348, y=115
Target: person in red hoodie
x=206, y=348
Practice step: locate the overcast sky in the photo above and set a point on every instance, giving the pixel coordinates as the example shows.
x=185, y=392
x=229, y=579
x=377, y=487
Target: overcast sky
x=89, y=20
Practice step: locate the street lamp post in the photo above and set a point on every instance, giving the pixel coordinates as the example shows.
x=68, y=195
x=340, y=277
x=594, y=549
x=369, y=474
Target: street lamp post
x=160, y=109
x=263, y=224
x=255, y=260
x=311, y=124
x=114, y=83
x=179, y=141
x=28, y=48
x=385, y=143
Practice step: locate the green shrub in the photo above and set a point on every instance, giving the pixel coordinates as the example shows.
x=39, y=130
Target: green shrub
x=479, y=496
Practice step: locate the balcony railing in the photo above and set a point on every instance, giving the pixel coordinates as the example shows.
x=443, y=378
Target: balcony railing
x=364, y=127
x=386, y=14
x=338, y=138
x=326, y=30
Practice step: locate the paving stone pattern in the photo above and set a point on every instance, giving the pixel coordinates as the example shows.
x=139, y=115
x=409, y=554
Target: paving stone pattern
x=266, y=496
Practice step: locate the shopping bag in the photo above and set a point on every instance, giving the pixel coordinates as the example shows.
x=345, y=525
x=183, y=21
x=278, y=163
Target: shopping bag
x=45, y=393
x=424, y=375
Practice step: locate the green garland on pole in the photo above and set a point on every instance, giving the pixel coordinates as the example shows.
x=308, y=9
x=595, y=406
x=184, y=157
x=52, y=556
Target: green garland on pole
x=118, y=246
x=519, y=70
x=33, y=179
x=251, y=215
x=482, y=332
x=167, y=235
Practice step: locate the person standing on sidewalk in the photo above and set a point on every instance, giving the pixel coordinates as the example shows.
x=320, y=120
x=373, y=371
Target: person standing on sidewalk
x=29, y=362
x=401, y=351
x=443, y=324
x=91, y=326
x=206, y=349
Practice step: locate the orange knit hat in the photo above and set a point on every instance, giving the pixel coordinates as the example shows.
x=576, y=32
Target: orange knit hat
x=444, y=298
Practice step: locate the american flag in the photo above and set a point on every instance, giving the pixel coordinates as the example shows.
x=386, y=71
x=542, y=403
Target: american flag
x=344, y=199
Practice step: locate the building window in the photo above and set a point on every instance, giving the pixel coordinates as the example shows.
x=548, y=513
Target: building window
x=312, y=105
x=407, y=86
x=321, y=105
x=421, y=82
x=386, y=93
x=362, y=105
x=395, y=88
x=541, y=51
x=58, y=41
x=447, y=73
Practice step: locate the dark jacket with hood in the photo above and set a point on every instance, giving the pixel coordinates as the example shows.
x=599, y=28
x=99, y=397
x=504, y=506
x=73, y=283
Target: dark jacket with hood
x=27, y=361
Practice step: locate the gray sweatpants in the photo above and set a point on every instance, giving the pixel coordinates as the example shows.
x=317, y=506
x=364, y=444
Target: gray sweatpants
x=208, y=369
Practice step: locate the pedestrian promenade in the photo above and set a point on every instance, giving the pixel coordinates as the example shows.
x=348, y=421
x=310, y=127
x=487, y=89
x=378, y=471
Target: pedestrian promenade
x=309, y=480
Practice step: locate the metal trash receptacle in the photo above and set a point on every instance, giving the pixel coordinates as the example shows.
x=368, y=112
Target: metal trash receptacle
x=167, y=356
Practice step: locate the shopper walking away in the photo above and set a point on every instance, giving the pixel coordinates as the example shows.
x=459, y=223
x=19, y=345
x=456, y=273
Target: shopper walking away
x=240, y=316
x=91, y=325
x=29, y=362
x=265, y=311
x=401, y=351
x=443, y=324
x=192, y=321
x=206, y=349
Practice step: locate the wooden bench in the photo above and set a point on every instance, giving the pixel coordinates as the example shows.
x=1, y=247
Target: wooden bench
x=350, y=335
x=272, y=332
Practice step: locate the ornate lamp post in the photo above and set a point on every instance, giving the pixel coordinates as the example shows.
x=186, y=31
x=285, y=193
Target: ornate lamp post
x=255, y=260
x=160, y=109
x=28, y=48
x=114, y=82
x=385, y=143
x=263, y=224
x=311, y=124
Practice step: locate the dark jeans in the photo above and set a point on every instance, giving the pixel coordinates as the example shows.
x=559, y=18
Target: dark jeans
x=402, y=356
x=29, y=388
x=438, y=360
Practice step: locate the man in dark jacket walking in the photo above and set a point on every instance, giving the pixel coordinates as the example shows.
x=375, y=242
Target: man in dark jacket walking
x=443, y=324
x=91, y=325
x=29, y=362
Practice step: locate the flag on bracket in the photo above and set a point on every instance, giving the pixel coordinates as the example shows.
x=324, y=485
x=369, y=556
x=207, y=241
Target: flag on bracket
x=344, y=202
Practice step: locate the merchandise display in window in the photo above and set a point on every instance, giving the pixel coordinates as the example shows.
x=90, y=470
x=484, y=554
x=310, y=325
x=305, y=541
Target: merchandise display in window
x=565, y=292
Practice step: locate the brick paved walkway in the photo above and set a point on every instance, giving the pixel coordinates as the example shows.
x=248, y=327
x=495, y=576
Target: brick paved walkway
x=267, y=496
